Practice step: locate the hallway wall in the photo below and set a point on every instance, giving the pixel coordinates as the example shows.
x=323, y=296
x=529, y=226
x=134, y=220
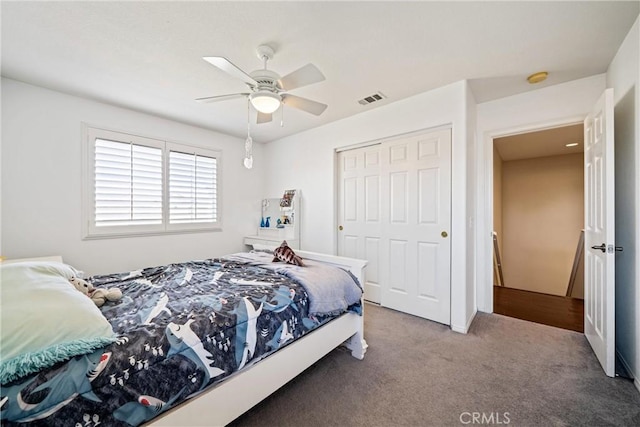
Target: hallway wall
x=542, y=215
x=497, y=195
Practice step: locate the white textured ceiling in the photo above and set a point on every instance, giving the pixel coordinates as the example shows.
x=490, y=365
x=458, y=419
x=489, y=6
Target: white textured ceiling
x=147, y=56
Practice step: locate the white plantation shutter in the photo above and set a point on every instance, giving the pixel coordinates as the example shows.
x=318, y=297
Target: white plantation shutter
x=192, y=188
x=128, y=184
x=135, y=185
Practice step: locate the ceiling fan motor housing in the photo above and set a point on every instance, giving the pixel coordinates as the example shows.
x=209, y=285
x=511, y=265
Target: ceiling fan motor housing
x=267, y=80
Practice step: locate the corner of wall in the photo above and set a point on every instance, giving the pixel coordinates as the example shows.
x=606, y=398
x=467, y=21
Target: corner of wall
x=1, y=139
x=472, y=196
x=623, y=75
x=465, y=329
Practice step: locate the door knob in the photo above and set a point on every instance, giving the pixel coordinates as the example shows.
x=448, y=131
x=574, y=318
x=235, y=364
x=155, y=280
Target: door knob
x=340, y=228
x=444, y=234
x=602, y=247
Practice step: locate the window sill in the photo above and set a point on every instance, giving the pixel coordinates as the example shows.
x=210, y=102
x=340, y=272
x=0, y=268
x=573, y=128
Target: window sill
x=150, y=233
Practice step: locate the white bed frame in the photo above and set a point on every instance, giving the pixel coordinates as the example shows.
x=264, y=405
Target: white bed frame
x=231, y=398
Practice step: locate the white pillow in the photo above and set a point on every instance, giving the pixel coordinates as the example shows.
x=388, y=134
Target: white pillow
x=44, y=319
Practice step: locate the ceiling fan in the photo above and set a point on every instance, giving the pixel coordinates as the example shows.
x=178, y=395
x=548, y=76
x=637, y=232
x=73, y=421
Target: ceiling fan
x=268, y=91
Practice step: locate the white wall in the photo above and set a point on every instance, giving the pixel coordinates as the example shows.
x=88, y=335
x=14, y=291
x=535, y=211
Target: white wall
x=497, y=197
x=41, y=183
x=624, y=77
x=551, y=106
x=306, y=161
x=542, y=215
x=1, y=103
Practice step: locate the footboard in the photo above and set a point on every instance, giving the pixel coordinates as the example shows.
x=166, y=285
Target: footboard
x=355, y=343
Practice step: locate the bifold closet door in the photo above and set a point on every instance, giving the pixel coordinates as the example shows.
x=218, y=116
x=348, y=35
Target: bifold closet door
x=394, y=208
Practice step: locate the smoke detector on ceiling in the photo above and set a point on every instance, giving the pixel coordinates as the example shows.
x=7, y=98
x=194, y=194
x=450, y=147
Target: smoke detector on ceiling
x=537, y=77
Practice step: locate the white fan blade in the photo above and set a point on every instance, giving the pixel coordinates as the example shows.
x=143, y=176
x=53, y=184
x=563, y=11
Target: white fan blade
x=304, y=104
x=227, y=66
x=264, y=118
x=222, y=97
x=301, y=77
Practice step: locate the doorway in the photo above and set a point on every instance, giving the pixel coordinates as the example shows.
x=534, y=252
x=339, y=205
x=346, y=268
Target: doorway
x=538, y=220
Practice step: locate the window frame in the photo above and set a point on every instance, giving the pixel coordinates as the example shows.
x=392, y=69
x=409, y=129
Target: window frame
x=89, y=229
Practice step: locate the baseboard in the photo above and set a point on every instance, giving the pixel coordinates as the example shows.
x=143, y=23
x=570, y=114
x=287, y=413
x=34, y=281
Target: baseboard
x=465, y=329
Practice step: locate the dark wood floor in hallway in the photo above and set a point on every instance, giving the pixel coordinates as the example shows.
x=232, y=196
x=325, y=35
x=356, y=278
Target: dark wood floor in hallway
x=560, y=311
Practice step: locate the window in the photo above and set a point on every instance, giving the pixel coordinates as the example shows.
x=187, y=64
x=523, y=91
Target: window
x=128, y=183
x=136, y=185
x=192, y=188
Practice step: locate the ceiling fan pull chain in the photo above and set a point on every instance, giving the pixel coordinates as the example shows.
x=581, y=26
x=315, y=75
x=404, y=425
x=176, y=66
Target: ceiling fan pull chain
x=282, y=116
x=248, y=144
x=248, y=119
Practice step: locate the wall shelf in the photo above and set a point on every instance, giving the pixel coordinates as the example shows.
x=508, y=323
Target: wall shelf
x=289, y=217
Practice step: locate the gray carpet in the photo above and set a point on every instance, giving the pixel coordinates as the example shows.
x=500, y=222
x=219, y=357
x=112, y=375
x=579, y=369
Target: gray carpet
x=420, y=373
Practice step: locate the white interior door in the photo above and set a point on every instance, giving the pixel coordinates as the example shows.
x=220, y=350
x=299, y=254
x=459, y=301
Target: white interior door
x=359, y=212
x=394, y=210
x=416, y=222
x=599, y=277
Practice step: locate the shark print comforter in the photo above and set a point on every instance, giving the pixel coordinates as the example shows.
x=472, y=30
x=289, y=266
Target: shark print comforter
x=181, y=328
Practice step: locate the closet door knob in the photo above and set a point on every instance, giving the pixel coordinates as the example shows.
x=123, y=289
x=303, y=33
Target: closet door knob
x=340, y=228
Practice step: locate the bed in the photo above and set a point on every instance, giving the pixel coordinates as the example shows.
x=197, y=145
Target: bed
x=174, y=360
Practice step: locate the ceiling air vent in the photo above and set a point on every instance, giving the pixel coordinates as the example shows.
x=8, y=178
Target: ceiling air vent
x=378, y=96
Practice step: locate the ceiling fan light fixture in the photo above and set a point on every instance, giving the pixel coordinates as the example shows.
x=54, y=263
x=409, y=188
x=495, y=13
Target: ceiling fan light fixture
x=265, y=102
